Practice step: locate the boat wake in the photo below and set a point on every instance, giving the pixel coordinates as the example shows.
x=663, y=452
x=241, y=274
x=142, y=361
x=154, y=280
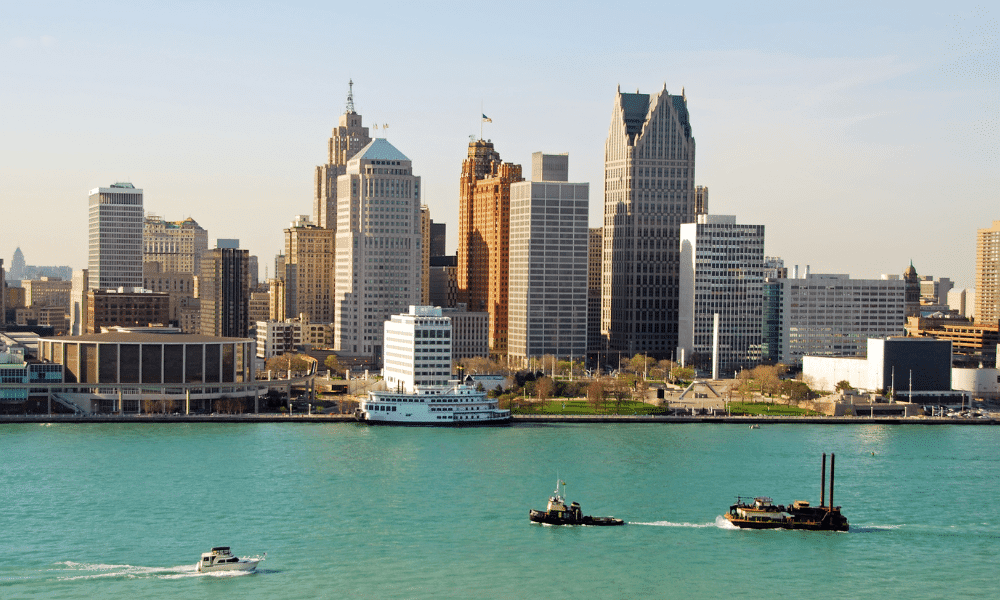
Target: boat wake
x=719, y=522
x=72, y=571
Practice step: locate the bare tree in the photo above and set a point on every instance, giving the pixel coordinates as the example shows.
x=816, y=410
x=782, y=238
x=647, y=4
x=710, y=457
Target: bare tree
x=544, y=388
x=595, y=394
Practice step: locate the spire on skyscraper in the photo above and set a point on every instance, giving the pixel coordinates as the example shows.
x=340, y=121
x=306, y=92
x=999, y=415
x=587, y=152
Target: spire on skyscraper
x=350, y=97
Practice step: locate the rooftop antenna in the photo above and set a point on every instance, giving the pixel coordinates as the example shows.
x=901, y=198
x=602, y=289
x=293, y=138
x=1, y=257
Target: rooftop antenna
x=350, y=97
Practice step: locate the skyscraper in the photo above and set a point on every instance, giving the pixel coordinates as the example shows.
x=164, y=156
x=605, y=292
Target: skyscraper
x=379, y=247
x=721, y=272
x=988, y=274
x=548, y=263
x=224, y=291
x=116, y=222
x=346, y=140
x=648, y=192
x=484, y=236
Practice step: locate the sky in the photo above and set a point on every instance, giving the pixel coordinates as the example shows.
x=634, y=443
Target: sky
x=862, y=135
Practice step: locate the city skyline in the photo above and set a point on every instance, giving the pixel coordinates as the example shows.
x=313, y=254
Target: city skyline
x=806, y=120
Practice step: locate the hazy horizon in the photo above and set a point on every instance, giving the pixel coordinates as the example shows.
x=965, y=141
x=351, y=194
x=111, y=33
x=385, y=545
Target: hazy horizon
x=862, y=136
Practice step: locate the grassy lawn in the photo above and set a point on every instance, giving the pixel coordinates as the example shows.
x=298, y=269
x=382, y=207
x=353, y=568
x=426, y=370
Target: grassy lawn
x=768, y=408
x=582, y=407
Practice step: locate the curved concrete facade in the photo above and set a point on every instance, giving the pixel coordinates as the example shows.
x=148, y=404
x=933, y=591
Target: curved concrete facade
x=141, y=358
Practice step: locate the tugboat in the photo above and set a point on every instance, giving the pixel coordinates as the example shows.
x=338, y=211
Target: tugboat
x=762, y=513
x=557, y=513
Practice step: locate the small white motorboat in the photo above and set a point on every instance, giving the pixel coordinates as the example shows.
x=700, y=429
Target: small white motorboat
x=221, y=559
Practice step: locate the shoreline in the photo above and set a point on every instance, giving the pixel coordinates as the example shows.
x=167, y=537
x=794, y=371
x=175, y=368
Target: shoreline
x=517, y=419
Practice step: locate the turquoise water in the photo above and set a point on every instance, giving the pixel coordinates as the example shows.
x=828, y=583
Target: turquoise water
x=345, y=511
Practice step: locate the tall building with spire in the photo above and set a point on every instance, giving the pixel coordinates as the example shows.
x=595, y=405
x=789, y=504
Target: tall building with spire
x=379, y=248
x=648, y=193
x=484, y=237
x=348, y=137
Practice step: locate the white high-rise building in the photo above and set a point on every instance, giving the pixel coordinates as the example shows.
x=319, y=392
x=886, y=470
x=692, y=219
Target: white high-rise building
x=547, y=297
x=417, y=349
x=648, y=192
x=379, y=254
x=116, y=222
x=721, y=272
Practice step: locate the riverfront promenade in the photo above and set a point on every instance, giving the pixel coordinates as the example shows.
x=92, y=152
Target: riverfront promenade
x=518, y=419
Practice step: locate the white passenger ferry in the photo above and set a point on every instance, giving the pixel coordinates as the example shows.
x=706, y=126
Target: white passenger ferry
x=456, y=405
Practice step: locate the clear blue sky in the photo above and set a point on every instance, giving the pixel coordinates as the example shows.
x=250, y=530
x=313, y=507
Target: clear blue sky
x=861, y=135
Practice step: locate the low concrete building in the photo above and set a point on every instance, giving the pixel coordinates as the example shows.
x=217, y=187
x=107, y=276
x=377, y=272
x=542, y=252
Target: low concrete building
x=112, y=372
x=918, y=369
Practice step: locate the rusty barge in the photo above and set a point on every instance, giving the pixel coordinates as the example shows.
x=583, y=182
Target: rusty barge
x=762, y=513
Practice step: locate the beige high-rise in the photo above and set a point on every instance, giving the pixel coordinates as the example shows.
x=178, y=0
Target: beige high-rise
x=177, y=245
x=309, y=263
x=988, y=274
x=348, y=137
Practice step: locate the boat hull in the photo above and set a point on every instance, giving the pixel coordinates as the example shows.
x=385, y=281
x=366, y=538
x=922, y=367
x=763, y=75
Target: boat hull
x=540, y=516
x=806, y=524
x=243, y=565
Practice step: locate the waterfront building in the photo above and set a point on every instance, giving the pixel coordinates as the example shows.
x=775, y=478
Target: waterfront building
x=112, y=371
x=346, y=140
x=176, y=245
x=595, y=343
x=649, y=160
x=721, y=273
x=987, y=303
x=484, y=236
x=116, y=224
x=109, y=308
x=309, y=271
x=224, y=291
x=549, y=239
x=378, y=270
x=832, y=315
x=470, y=332
x=418, y=349
x=893, y=366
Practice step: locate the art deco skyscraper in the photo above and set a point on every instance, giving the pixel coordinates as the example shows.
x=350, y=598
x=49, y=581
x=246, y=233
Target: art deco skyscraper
x=347, y=139
x=116, y=221
x=648, y=192
x=484, y=237
x=379, y=247
x=988, y=274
